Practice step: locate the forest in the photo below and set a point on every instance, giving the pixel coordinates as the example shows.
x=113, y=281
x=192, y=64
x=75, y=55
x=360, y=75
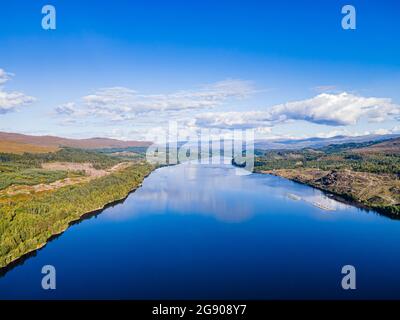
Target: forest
x=28, y=220
x=329, y=160
x=366, y=173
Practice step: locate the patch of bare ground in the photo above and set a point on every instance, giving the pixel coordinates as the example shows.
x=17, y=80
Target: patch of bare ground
x=90, y=174
x=373, y=190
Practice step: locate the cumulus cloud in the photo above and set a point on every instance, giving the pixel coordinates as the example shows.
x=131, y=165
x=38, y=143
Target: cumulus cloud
x=119, y=103
x=10, y=100
x=337, y=109
x=341, y=109
x=109, y=106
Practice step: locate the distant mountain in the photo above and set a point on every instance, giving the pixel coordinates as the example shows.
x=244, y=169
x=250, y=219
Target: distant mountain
x=29, y=141
x=318, y=142
x=389, y=147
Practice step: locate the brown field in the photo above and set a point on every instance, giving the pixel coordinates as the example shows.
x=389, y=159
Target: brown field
x=20, y=148
x=52, y=141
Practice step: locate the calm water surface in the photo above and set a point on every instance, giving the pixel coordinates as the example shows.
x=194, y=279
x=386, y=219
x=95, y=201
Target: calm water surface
x=203, y=231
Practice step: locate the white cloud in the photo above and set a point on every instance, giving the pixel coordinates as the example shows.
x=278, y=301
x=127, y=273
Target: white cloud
x=70, y=109
x=395, y=129
x=233, y=120
x=105, y=106
x=382, y=131
x=337, y=109
x=341, y=109
x=10, y=100
x=4, y=76
x=119, y=103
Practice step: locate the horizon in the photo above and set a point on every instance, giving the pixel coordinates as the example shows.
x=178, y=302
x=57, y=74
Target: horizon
x=245, y=68
x=281, y=139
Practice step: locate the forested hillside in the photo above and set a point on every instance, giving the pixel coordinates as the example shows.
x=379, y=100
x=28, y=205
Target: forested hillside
x=29, y=217
x=367, y=173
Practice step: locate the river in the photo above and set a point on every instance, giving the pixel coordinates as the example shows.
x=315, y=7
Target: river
x=203, y=232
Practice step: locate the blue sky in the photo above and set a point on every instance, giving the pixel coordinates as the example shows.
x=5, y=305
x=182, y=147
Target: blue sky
x=121, y=68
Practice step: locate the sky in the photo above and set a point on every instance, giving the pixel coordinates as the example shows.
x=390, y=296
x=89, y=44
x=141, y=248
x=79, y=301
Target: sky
x=125, y=69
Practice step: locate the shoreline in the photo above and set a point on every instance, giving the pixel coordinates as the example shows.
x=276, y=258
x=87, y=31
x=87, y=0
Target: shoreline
x=341, y=198
x=86, y=215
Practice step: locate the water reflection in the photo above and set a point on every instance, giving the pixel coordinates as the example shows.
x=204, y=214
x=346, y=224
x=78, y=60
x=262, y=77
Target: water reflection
x=216, y=191
x=204, y=232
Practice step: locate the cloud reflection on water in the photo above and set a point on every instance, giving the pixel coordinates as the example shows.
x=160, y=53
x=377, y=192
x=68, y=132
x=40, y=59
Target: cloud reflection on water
x=216, y=191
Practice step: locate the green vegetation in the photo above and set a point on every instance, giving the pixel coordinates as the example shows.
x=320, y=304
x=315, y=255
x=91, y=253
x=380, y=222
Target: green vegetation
x=26, y=169
x=28, y=221
x=32, y=177
x=367, y=173
x=138, y=150
x=29, y=160
x=342, y=160
x=131, y=153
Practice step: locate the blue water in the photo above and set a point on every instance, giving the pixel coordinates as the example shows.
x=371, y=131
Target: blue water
x=203, y=231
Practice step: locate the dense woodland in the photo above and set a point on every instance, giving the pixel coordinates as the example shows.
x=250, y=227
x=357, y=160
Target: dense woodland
x=329, y=159
x=27, y=221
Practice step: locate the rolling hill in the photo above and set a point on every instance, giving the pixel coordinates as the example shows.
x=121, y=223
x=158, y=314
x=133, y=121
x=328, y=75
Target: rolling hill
x=388, y=147
x=316, y=142
x=19, y=143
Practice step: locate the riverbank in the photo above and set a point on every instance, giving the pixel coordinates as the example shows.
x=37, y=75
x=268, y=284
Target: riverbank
x=42, y=217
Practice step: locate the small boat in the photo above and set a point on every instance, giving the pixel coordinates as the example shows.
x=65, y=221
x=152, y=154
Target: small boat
x=322, y=206
x=293, y=196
